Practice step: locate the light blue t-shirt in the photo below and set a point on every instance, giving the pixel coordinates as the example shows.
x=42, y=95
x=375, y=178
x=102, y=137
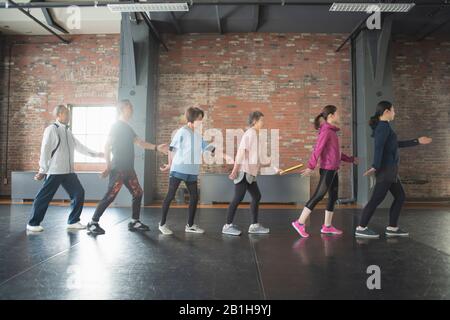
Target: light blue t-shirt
x=188, y=147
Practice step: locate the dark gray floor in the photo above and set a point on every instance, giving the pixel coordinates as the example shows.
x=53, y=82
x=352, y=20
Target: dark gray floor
x=58, y=264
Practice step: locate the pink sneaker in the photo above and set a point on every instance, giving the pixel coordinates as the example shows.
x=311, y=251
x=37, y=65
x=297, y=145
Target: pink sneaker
x=330, y=230
x=300, y=229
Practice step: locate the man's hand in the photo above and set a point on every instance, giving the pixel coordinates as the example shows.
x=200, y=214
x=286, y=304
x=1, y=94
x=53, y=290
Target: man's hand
x=369, y=172
x=39, y=176
x=165, y=167
x=355, y=161
x=425, y=140
x=163, y=148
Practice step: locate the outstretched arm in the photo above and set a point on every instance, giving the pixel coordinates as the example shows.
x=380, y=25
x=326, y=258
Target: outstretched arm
x=414, y=142
x=81, y=148
x=163, y=148
x=408, y=143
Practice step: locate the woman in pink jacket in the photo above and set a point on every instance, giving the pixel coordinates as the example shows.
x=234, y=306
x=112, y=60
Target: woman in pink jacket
x=327, y=149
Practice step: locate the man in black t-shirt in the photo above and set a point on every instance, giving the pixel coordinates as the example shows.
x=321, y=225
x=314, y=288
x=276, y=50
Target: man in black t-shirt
x=120, y=169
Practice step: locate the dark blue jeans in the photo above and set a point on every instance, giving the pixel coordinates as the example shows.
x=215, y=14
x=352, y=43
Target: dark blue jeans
x=73, y=187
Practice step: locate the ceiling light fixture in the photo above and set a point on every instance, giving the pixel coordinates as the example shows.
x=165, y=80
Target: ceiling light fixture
x=148, y=7
x=371, y=7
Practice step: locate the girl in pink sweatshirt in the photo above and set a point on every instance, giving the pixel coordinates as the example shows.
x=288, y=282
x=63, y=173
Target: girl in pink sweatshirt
x=327, y=149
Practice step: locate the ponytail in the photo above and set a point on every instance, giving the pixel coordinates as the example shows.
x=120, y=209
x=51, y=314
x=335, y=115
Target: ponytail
x=382, y=106
x=373, y=122
x=317, y=120
x=326, y=111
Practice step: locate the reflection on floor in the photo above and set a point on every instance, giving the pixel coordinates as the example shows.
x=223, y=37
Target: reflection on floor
x=58, y=264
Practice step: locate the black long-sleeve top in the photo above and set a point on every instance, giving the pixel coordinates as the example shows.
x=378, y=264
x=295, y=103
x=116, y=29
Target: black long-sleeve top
x=386, y=146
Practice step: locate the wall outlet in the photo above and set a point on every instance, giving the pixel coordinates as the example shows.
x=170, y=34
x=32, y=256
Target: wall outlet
x=5, y=180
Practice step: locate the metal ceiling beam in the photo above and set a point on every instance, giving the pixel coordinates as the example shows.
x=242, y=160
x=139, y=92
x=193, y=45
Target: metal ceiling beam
x=11, y=4
x=358, y=29
x=439, y=26
x=50, y=20
x=153, y=30
x=175, y=22
x=128, y=57
x=353, y=34
x=256, y=17
x=134, y=17
x=219, y=24
x=40, y=23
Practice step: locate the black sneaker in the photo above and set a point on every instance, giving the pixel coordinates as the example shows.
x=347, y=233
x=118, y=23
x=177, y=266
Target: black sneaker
x=366, y=233
x=94, y=228
x=398, y=233
x=137, y=225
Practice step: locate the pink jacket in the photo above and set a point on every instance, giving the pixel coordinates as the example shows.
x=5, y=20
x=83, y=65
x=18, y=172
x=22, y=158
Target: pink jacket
x=327, y=149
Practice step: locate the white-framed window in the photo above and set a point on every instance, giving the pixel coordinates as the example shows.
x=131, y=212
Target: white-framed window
x=91, y=125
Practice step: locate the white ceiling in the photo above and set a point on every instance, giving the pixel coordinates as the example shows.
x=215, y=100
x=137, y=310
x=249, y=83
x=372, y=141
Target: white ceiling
x=93, y=20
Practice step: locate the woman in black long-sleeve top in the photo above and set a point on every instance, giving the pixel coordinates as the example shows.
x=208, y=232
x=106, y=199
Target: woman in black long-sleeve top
x=385, y=168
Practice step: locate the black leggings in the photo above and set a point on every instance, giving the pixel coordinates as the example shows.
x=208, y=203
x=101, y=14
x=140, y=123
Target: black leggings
x=329, y=182
x=239, y=193
x=387, y=180
x=174, y=183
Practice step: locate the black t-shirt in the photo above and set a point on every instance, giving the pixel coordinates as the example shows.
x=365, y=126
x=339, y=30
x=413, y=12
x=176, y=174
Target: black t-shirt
x=122, y=146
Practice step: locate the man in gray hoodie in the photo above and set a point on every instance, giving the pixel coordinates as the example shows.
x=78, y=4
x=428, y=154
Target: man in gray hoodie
x=56, y=166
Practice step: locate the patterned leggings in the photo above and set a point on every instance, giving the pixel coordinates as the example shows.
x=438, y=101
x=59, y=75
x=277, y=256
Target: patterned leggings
x=116, y=180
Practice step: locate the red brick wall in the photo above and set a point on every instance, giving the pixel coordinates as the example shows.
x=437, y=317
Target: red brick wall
x=289, y=77
x=45, y=73
x=421, y=78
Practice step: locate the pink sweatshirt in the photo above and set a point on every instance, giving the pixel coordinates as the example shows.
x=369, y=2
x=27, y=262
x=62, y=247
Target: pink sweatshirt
x=327, y=149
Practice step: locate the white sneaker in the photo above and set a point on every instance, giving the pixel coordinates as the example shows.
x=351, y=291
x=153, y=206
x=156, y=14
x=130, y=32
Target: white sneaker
x=231, y=229
x=257, y=228
x=194, y=229
x=164, y=230
x=34, y=228
x=77, y=226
